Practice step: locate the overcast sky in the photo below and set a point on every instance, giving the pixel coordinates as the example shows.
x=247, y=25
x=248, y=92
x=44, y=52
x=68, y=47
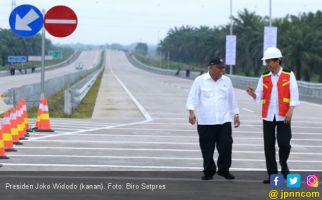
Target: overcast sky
x=128, y=21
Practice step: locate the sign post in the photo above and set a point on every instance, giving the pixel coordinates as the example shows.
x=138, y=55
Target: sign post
x=17, y=59
x=270, y=38
x=26, y=20
x=56, y=54
x=60, y=21
x=230, y=50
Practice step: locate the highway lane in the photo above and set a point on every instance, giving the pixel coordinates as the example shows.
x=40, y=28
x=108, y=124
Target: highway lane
x=157, y=135
x=87, y=58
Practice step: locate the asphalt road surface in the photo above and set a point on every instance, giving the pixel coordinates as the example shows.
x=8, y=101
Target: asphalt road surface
x=140, y=124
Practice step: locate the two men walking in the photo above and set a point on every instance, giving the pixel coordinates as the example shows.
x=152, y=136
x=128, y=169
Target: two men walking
x=212, y=103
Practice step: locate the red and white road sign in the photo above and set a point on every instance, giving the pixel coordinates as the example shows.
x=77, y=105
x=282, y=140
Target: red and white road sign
x=60, y=21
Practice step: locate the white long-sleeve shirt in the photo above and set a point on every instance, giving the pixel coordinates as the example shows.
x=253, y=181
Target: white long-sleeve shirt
x=273, y=103
x=214, y=102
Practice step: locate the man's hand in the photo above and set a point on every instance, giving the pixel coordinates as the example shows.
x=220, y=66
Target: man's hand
x=250, y=90
x=236, y=121
x=192, y=117
x=288, y=116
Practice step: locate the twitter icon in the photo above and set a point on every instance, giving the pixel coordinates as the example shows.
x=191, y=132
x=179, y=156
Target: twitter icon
x=293, y=180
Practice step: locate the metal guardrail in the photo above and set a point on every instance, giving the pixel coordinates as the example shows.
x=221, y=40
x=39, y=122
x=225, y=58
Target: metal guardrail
x=307, y=89
x=76, y=93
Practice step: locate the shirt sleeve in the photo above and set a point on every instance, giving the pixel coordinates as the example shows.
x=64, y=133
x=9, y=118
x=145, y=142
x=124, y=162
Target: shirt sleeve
x=294, y=101
x=193, y=97
x=259, y=90
x=232, y=100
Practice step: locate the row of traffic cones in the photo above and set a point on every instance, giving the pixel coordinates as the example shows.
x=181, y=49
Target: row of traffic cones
x=15, y=126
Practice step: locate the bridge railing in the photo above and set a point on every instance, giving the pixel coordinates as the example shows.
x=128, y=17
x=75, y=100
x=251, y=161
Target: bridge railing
x=77, y=92
x=312, y=90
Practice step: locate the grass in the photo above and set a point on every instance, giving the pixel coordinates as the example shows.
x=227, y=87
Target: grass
x=56, y=104
x=85, y=108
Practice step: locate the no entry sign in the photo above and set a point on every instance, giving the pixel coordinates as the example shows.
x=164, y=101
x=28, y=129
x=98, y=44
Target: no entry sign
x=60, y=21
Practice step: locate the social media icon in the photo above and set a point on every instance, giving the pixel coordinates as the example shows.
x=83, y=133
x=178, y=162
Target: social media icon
x=293, y=180
x=276, y=180
x=312, y=180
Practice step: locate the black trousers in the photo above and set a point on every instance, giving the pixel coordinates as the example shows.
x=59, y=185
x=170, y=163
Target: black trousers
x=221, y=137
x=284, y=136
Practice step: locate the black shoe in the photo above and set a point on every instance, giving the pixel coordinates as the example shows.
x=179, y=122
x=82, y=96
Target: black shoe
x=285, y=172
x=206, y=177
x=226, y=175
x=266, y=181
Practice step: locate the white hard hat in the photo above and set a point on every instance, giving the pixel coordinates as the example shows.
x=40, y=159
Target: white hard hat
x=272, y=52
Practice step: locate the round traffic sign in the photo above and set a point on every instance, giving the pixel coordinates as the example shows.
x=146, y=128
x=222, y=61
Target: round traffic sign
x=26, y=20
x=60, y=21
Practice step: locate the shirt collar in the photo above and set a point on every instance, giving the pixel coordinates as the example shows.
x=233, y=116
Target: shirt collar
x=278, y=74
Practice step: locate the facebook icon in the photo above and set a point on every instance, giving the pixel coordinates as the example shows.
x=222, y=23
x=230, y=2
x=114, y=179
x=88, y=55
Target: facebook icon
x=276, y=180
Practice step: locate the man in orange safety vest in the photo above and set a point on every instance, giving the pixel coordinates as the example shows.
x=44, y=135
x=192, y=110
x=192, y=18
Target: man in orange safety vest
x=277, y=90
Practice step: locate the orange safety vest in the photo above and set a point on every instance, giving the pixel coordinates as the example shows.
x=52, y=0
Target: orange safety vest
x=283, y=88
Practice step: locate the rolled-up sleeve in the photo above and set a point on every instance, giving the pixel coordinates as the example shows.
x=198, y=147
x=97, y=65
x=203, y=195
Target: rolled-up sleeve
x=193, y=97
x=234, y=109
x=294, y=96
x=259, y=90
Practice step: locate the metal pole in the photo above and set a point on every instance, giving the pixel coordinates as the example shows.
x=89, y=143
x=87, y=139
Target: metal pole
x=270, y=12
x=168, y=59
x=42, y=83
x=13, y=4
x=231, y=30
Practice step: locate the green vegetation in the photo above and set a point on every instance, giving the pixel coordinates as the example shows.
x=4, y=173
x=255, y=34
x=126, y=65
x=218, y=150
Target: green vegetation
x=85, y=108
x=56, y=104
x=141, y=48
x=299, y=38
x=13, y=45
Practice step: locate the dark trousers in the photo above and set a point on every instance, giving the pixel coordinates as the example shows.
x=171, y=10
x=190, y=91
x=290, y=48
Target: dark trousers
x=284, y=136
x=219, y=136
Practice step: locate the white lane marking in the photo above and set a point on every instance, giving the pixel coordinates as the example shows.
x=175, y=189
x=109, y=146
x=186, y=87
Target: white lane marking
x=136, y=102
x=66, y=129
x=83, y=131
x=251, y=111
x=183, y=136
x=253, y=122
x=46, y=166
x=153, y=158
x=154, y=129
x=60, y=21
x=185, y=130
x=311, y=104
x=154, y=149
x=102, y=166
x=143, y=142
x=128, y=178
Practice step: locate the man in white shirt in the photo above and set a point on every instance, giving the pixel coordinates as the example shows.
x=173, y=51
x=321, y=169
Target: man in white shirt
x=211, y=103
x=278, y=92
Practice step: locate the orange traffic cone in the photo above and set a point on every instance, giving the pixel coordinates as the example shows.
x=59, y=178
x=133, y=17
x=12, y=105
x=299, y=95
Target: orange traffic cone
x=6, y=133
x=14, y=127
x=41, y=102
x=2, y=148
x=20, y=122
x=43, y=120
x=25, y=115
